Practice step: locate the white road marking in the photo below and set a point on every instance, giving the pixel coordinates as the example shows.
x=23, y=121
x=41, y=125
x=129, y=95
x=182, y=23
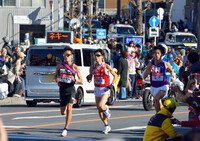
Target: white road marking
x=144, y=127
x=14, y=126
x=45, y=117
x=130, y=128
x=28, y=112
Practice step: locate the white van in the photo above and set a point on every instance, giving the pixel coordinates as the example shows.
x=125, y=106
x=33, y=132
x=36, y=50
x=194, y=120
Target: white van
x=116, y=30
x=40, y=71
x=180, y=40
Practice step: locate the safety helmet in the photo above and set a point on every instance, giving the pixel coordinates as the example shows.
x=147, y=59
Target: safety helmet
x=49, y=56
x=170, y=103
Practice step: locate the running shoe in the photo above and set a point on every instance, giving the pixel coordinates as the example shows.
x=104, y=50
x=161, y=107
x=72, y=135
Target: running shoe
x=107, y=112
x=64, y=133
x=106, y=129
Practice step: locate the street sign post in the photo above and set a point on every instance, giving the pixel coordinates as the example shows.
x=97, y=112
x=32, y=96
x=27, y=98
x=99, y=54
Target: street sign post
x=101, y=33
x=160, y=12
x=154, y=32
x=154, y=21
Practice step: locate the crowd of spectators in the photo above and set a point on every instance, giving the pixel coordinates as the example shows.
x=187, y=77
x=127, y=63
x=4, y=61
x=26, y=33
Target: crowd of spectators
x=12, y=67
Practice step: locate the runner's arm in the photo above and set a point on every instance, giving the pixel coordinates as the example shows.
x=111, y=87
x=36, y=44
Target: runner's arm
x=148, y=71
x=112, y=72
x=56, y=74
x=169, y=67
x=90, y=75
x=80, y=80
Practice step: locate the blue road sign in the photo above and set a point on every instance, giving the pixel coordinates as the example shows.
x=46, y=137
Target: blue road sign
x=154, y=21
x=101, y=33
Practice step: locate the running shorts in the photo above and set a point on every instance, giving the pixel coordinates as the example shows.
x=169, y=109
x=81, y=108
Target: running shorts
x=100, y=91
x=154, y=90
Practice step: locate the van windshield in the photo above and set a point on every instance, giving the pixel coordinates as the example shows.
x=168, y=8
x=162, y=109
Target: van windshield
x=96, y=24
x=125, y=30
x=50, y=57
x=185, y=39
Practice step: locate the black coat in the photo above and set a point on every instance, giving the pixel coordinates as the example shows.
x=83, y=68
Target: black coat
x=123, y=72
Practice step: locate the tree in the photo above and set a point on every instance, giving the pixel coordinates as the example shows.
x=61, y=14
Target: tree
x=96, y=2
x=139, y=14
x=170, y=4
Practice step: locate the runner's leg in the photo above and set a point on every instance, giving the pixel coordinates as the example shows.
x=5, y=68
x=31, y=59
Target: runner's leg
x=157, y=99
x=101, y=106
x=69, y=115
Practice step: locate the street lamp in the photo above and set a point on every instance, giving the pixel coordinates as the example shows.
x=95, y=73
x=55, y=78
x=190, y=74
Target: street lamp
x=13, y=31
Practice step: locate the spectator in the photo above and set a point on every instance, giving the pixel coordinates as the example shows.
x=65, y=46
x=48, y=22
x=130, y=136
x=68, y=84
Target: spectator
x=5, y=64
x=145, y=49
x=77, y=40
x=17, y=51
x=153, y=44
x=131, y=47
x=7, y=46
x=132, y=65
x=123, y=72
x=3, y=134
x=116, y=57
x=16, y=70
x=160, y=126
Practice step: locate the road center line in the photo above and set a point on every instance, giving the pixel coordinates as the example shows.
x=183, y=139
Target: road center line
x=35, y=126
x=46, y=117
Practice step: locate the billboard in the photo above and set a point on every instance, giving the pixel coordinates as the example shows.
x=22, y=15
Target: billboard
x=59, y=37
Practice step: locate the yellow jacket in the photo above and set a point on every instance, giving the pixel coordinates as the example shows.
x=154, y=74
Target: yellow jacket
x=160, y=127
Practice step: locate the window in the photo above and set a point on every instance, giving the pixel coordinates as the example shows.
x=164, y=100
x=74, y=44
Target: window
x=88, y=57
x=0, y=2
x=50, y=57
x=125, y=30
x=9, y=2
x=32, y=3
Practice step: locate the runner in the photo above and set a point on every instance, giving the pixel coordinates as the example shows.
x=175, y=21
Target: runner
x=157, y=70
x=65, y=77
x=101, y=70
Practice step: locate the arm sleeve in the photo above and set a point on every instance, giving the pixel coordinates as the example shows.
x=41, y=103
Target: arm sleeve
x=190, y=123
x=168, y=128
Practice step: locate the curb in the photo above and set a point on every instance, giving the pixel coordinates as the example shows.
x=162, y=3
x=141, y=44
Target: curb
x=12, y=100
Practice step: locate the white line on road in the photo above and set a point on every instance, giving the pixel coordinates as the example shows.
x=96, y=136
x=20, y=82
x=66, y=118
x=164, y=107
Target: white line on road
x=45, y=117
x=14, y=126
x=131, y=128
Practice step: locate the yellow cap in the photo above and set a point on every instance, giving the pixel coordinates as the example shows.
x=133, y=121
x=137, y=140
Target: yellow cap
x=170, y=103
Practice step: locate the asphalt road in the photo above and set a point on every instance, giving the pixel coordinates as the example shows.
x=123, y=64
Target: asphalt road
x=44, y=122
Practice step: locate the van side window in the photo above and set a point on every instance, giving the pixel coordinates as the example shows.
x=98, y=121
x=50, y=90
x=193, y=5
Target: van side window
x=77, y=57
x=88, y=57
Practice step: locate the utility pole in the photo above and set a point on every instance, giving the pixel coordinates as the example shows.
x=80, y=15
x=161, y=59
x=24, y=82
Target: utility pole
x=198, y=28
x=118, y=8
x=81, y=18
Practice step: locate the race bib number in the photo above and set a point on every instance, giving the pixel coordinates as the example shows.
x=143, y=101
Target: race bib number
x=99, y=81
x=156, y=76
x=66, y=78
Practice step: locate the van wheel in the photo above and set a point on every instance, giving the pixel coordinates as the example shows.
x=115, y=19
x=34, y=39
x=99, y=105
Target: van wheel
x=112, y=97
x=31, y=103
x=79, y=97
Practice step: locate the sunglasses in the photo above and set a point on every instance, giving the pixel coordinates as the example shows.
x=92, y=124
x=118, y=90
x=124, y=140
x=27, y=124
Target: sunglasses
x=67, y=55
x=97, y=55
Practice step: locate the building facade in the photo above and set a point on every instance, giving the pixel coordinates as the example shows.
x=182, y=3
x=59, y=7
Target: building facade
x=22, y=19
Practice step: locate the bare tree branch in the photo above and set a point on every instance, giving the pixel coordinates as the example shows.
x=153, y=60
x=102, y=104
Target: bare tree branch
x=147, y=5
x=133, y=2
